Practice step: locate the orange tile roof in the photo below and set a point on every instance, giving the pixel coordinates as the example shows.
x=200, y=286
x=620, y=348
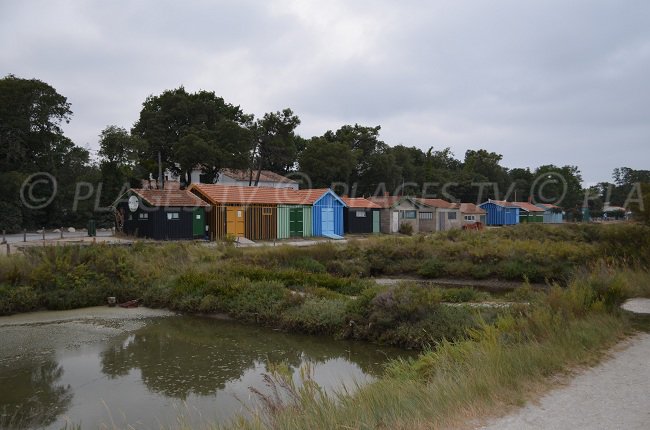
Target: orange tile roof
x=469, y=208
x=223, y=194
x=437, y=203
x=169, y=198
x=528, y=207
x=359, y=202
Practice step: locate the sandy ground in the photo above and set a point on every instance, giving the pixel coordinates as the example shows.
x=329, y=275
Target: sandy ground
x=612, y=395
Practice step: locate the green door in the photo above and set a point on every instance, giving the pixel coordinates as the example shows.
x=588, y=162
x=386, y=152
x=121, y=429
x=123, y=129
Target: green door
x=295, y=222
x=375, y=221
x=198, y=222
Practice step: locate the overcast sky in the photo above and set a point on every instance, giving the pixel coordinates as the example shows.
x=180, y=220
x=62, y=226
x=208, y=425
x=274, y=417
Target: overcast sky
x=561, y=82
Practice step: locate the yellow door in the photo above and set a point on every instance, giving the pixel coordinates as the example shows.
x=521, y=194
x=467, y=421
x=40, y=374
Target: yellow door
x=235, y=221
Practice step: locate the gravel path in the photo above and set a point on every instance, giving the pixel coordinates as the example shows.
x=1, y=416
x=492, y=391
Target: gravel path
x=613, y=395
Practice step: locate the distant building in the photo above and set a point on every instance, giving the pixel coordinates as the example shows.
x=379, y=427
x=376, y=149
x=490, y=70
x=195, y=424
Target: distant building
x=552, y=214
x=528, y=212
x=243, y=178
x=161, y=214
x=500, y=212
x=360, y=216
x=470, y=213
x=235, y=177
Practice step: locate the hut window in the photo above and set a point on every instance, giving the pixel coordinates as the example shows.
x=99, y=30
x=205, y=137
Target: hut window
x=143, y=215
x=426, y=215
x=361, y=214
x=409, y=214
x=267, y=211
x=172, y=215
x=451, y=215
x=470, y=218
x=198, y=216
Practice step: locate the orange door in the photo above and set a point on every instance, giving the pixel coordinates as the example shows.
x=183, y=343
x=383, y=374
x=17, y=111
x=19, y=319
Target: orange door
x=235, y=221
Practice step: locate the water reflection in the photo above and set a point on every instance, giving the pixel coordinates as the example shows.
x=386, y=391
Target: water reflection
x=80, y=373
x=32, y=393
x=178, y=357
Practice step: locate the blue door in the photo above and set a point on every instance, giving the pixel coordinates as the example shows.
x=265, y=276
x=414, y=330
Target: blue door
x=328, y=220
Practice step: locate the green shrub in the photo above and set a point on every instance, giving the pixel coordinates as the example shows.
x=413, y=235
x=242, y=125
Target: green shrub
x=406, y=229
x=463, y=295
x=432, y=268
x=209, y=303
x=308, y=264
x=317, y=315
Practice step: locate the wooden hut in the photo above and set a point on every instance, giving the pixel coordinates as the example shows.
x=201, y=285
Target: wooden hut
x=499, y=212
x=260, y=213
x=397, y=210
x=294, y=221
x=361, y=216
x=528, y=212
x=161, y=214
x=471, y=214
x=249, y=212
x=327, y=212
x=552, y=214
x=444, y=215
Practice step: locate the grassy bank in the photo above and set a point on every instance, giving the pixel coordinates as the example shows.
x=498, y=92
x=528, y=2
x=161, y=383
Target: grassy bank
x=475, y=360
x=322, y=289
x=499, y=366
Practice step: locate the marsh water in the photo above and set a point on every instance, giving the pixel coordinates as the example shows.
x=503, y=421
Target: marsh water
x=150, y=371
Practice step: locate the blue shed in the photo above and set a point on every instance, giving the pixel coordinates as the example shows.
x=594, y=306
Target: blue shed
x=500, y=212
x=552, y=214
x=327, y=212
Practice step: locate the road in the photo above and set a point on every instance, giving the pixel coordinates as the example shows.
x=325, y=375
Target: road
x=612, y=395
x=49, y=235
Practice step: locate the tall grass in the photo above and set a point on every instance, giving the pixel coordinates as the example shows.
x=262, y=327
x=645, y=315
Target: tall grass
x=497, y=367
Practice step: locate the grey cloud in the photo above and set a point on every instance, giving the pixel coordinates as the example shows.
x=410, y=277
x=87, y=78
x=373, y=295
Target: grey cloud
x=540, y=82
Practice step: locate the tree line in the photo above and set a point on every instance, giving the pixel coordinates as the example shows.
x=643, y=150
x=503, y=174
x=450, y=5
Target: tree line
x=179, y=130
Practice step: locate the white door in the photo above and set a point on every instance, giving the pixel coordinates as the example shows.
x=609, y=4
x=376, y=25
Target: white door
x=395, y=225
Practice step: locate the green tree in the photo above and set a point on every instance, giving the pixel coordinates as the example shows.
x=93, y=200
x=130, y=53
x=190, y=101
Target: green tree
x=276, y=144
x=31, y=141
x=118, y=162
x=558, y=185
x=641, y=209
x=326, y=162
x=166, y=122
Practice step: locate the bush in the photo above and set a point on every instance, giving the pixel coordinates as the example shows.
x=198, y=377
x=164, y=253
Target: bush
x=463, y=295
x=432, y=268
x=317, y=315
x=308, y=264
x=406, y=229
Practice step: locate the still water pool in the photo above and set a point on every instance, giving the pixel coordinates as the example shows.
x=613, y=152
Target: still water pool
x=139, y=369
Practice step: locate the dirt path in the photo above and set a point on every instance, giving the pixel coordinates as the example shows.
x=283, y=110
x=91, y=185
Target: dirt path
x=613, y=395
